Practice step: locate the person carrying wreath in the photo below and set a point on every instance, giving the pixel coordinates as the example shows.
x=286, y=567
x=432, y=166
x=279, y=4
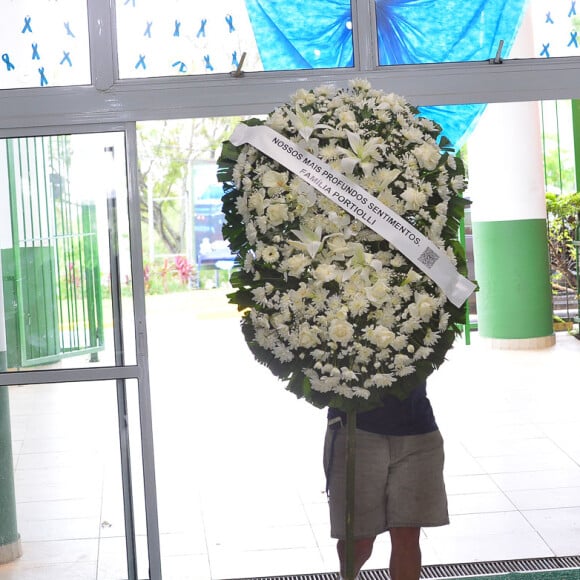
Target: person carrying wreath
x=399, y=480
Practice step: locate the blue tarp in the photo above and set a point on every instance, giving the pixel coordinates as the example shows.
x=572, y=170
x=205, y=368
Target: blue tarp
x=318, y=34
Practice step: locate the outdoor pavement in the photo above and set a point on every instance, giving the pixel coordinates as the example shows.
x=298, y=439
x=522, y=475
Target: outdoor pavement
x=238, y=460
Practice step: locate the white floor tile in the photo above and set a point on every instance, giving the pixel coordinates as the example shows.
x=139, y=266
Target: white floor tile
x=241, y=491
x=546, y=479
x=560, y=529
x=478, y=503
x=538, y=499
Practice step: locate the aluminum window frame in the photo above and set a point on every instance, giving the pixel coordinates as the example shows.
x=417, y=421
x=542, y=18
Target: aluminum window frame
x=109, y=100
x=122, y=372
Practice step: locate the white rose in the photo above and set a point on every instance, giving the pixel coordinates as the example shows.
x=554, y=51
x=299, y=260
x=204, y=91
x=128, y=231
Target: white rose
x=340, y=331
x=381, y=336
x=277, y=213
x=256, y=202
x=377, y=292
x=295, y=265
x=308, y=336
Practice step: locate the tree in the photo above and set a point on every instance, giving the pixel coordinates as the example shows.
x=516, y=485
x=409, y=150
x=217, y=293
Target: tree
x=564, y=211
x=166, y=152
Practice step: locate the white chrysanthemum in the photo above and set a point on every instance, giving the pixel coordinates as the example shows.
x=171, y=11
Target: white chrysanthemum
x=423, y=307
x=413, y=134
x=325, y=272
x=422, y=353
x=431, y=338
x=260, y=296
x=414, y=198
x=458, y=183
x=427, y=155
x=270, y=254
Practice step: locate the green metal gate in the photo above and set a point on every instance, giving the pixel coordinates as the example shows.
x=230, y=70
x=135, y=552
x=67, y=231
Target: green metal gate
x=52, y=279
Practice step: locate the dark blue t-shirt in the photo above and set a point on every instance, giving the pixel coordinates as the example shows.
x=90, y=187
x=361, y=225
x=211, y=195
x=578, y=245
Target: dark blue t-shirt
x=411, y=416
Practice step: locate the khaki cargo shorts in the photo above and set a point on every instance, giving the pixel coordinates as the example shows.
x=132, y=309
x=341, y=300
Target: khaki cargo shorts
x=398, y=482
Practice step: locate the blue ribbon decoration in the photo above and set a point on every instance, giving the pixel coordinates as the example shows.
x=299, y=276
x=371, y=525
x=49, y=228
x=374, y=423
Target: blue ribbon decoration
x=573, y=39
x=208, y=65
x=6, y=59
x=572, y=11
x=201, y=31
x=230, y=21
x=549, y=18
x=182, y=66
x=177, y=27
x=69, y=32
x=66, y=58
x=35, y=54
x=235, y=58
x=409, y=32
x=545, y=50
x=141, y=62
x=148, y=29
x=27, y=27
x=43, y=79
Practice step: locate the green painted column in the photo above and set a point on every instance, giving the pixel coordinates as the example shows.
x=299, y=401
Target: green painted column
x=576, y=129
x=515, y=300
x=10, y=547
x=512, y=268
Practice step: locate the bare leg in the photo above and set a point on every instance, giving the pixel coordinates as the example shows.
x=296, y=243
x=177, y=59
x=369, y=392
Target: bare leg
x=405, y=554
x=363, y=549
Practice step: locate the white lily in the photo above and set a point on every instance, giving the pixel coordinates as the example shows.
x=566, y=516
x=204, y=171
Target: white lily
x=305, y=121
x=310, y=240
x=361, y=152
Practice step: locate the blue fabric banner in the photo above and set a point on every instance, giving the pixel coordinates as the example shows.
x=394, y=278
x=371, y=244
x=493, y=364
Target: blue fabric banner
x=304, y=34
x=318, y=34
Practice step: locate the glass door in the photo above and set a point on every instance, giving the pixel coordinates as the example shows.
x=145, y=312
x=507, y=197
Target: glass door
x=79, y=496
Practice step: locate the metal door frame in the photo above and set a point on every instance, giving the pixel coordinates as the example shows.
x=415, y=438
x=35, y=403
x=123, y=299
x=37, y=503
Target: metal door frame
x=122, y=372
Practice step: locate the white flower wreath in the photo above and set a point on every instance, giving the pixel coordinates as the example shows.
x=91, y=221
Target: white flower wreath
x=330, y=306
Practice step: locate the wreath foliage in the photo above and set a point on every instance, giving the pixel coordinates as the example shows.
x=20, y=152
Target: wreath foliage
x=329, y=306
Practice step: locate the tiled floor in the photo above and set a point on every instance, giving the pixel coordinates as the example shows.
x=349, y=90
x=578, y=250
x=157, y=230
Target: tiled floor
x=240, y=483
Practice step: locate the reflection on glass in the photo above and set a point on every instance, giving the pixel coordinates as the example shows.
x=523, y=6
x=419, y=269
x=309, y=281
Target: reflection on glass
x=67, y=477
x=182, y=214
x=61, y=200
x=244, y=496
x=44, y=43
x=181, y=37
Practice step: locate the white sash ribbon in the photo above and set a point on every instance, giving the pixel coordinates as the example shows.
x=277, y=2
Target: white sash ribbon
x=362, y=205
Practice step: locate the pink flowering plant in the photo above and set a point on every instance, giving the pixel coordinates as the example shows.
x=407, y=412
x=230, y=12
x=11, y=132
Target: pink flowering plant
x=328, y=305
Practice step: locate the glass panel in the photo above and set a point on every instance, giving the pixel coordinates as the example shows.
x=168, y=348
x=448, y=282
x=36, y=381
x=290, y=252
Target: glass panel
x=64, y=244
x=246, y=498
x=44, y=43
x=67, y=481
x=413, y=32
x=181, y=37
